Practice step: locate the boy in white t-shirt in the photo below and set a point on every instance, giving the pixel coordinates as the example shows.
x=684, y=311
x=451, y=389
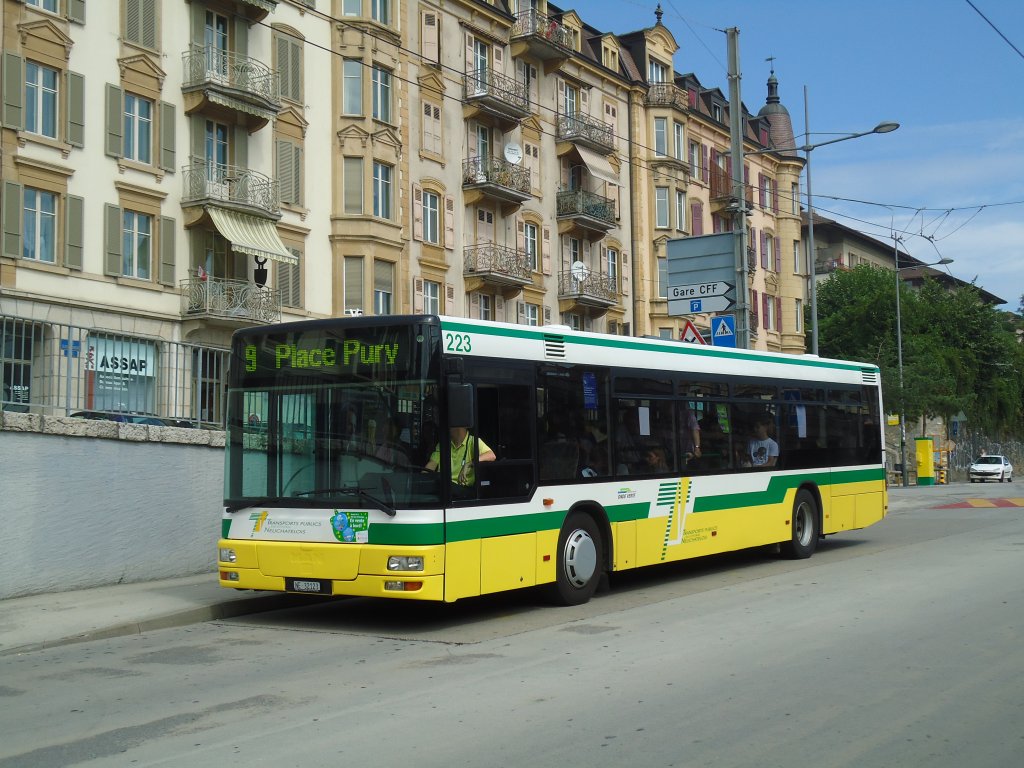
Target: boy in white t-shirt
x=763, y=451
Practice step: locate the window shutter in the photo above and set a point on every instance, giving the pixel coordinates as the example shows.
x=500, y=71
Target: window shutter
x=74, y=241
x=521, y=312
x=133, y=20
x=469, y=59
x=167, y=251
x=284, y=171
x=778, y=254
x=499, y=59
x=778, y=313
x=449, y=222
x=289, y=281
x=764, y=249
x=762, y=201
x=474, y=305
x=76, y=110
x=76, y=11
x=417, y=295
x=148, y=23
x=545, y=251
x=547, y=315
x=417, y=212
x=429, y=37
x=114, y=144
x=697, y=218
x=520, y=234
x=12, y=220
x=284, y=67
x=167, y=136
x=765, y=298
x=449, y=299
x=112, y=239
x=297, y=174
x=775, y=195
x=499, y=307
x=14, y=84
x=624, y=274
x=705, y=171
x=295, y=63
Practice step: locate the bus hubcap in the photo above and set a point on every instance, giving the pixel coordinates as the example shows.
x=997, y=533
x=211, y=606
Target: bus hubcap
x=580, y=558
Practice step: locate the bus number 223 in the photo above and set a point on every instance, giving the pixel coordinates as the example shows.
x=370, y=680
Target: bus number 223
x=458, y=342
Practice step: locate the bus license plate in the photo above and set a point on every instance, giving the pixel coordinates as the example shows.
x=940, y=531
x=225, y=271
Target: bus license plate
x=310, y=586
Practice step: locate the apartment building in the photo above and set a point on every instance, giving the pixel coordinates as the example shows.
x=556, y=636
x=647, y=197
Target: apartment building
x=173, y=170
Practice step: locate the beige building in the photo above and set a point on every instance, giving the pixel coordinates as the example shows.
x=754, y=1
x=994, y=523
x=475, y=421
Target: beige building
x=173, y=170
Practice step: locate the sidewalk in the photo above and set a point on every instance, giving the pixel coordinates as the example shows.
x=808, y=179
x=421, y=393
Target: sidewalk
x=47, y=621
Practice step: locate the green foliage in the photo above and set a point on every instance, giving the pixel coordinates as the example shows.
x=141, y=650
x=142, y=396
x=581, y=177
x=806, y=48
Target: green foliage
x=959, y=354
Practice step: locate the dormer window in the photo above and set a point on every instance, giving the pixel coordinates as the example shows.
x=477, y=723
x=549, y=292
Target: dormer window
x=610, y=58
x=717, y=112
x=657, y=72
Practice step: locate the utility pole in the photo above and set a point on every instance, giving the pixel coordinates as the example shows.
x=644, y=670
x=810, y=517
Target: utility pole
x=738, y=191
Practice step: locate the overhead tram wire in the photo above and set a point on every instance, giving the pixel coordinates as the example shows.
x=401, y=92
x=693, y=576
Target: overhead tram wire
x=998, y=31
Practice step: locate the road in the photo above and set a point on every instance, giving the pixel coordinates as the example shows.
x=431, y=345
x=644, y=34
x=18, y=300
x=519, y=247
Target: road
x=895, y=646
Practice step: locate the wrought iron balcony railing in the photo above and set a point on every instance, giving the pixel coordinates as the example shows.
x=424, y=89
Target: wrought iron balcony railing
x=667, y=95
x=497, y=89
x=593, y=285
x=250, y=76
x=237, y=299
x=578, y=202
x=533, y=23
x=205, y=180
x=497, y=261
x=496, y=170
x=577, y=126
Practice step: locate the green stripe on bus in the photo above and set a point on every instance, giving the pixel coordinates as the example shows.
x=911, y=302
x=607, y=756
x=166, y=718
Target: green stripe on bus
x=225, y=528
x=420, y=535
x=621, y=342
x=778, y=486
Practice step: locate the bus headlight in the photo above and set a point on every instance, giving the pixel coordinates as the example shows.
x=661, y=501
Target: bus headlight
x=227, y=555
x=405, y=563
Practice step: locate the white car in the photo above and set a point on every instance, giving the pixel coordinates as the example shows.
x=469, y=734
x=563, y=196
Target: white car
x=991, y=468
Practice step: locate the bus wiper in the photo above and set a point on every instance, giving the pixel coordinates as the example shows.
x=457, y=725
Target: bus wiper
x=263, y=501
x=380, y=504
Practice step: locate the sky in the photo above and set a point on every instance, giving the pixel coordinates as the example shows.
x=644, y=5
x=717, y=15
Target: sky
x=950, y=181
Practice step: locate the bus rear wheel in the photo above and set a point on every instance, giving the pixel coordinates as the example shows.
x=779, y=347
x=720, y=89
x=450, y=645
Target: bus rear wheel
x=580, y=555
x=804, y=539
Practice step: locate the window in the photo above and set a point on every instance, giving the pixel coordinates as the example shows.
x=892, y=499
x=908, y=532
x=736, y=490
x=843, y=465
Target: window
x=138, y=128
x=678, y=148
x=694, y=159
x=383, y=287
x=716, y=112
x=570, y=99
x=380, y=11
x=574, y=249
x=530, y=244
x=353, y=185
x=352, y=87
x=431, y=297
x=432, y=128
x=657, y=72
x=680, y=209
x=16, y=341
x=796, y=257
x=381, y=80
x=486, y=306
x=665, y=333
x=662, y=277
x=140, y=22
x=352, y=8
x=39, y=228
x=799, y=319
x=769, y=312
x=768, y=262
x=661, y=207
x=431, y=217
x=136, y=245
x=353, y=285
x=46, y=5
x=41, y=99
x=660, y=136
x=612, y=260
x=794, y=192
x=531, y=314
x=382, y=190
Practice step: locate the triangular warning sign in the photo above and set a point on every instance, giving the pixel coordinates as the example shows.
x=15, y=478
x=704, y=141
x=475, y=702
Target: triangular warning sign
x=691, y=335
x=723, y=330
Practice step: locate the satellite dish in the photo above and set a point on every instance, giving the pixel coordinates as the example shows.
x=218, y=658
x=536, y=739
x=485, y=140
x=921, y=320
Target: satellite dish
x=514, y=153
x=580, y=271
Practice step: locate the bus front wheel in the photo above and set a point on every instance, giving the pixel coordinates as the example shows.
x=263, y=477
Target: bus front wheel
x=804, y=538
x=578, y=568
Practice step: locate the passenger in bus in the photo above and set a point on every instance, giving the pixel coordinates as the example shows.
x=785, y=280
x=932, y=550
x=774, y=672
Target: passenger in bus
x=690, y=435
x=762, y=450
x=654, y=460
x=465, y=449
x=391, y=450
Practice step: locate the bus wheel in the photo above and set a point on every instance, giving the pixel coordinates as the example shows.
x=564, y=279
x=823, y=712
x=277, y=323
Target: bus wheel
x=578, y=569
x=805, y=527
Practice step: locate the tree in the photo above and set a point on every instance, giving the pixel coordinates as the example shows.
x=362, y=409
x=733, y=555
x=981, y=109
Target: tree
x=959, y=354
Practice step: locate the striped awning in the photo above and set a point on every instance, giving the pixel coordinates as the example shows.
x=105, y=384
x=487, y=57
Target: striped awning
x=598, y=165
x=239, y=106
x=249, y=234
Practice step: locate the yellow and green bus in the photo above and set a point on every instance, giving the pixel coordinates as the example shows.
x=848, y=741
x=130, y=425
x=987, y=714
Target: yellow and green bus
x=346, y=456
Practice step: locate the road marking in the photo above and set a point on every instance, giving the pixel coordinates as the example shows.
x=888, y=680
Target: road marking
x=984, y=503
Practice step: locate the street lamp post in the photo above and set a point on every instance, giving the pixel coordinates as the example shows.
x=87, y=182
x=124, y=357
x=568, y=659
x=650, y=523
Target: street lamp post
x=883, y=127
x=899, y=349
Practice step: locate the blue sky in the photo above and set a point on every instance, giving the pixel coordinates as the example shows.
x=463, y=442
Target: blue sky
x=934, y=66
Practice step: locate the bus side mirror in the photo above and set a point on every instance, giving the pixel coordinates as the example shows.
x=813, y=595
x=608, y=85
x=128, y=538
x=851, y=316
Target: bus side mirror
x=460, y=405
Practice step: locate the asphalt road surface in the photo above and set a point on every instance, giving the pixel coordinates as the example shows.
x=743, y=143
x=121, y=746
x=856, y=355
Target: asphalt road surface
x=900, y=645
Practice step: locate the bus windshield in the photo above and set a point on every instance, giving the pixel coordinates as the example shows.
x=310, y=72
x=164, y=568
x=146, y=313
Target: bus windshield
x=326, y=416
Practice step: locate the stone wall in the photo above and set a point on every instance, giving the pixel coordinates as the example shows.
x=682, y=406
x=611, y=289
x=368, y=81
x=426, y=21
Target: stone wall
x=89, y=503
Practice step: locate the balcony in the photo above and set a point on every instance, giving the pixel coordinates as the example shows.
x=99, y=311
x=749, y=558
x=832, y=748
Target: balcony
x=584, y=211
x=668, y=95
x=230, y=186
x=828, y=266
x=539, y=36
x=489, y=94
x=229, y=86
x=586, y=131
x=495, y=178
x=238, y=302
x=586, y=290
x=496, y=266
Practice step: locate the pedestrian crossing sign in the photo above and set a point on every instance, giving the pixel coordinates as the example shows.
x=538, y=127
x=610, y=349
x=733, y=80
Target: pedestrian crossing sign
x=723, y=331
